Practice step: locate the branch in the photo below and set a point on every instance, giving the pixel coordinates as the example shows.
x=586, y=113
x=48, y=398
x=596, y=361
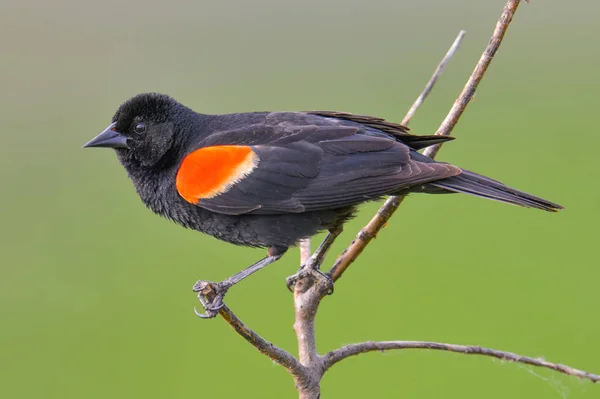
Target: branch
x=391, y=205
x=307, y=297
x=310, y=285
x=364, y=236
x=436, y=74
x=275, y=353
x=469, y=90
x=342, y=353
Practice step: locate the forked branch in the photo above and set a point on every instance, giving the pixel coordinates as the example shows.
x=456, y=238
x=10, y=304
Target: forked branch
x=265, y=347
x=312, y=286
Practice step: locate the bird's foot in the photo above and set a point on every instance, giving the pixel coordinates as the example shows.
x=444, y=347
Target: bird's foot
x=317, y=275
x=211, y=297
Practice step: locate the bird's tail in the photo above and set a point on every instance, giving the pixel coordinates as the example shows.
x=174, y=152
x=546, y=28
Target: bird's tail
x=480, y=186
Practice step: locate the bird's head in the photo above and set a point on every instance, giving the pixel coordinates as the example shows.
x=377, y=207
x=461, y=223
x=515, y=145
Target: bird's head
x=143, y=129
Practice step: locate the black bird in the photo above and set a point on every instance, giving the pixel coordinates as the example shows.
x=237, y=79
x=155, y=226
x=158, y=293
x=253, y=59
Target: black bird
x=270, y=179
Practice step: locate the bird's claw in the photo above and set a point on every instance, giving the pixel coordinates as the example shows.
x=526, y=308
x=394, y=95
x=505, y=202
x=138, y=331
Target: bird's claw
x=206, y=289
x=207, y=315
x=318, y=275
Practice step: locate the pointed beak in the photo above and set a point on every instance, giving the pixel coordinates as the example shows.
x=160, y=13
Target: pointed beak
x=109, y=138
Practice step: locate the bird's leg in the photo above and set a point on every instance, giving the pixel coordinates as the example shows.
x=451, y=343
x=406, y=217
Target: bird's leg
x=218, y=290
x=313, y=264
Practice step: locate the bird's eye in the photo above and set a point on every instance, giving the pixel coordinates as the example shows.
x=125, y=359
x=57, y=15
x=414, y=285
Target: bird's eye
x=140, y=128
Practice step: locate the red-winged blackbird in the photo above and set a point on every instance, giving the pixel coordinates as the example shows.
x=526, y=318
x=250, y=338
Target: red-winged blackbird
x=270, y=179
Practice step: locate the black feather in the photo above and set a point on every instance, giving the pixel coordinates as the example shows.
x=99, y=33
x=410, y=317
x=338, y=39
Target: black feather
x=480, y=186
x=312, y=169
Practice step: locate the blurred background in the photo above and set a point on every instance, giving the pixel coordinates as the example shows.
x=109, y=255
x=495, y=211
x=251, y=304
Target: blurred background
x=95, y=294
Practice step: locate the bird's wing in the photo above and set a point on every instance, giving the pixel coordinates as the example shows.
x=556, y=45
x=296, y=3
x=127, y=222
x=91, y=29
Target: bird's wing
x=289, y=168
x=374, y=125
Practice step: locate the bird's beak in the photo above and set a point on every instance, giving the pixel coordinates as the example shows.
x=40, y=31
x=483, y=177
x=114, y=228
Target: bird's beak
x=109, y=138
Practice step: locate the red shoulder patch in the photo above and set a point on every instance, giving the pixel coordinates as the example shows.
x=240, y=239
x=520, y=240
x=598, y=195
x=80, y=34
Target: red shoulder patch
x=210, y=171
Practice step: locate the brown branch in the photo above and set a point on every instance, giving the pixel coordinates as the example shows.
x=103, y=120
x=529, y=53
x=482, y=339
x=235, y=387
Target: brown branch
x=342, y=353
x=275, y=353
x=469, y=90
x=367, y=233
x=310, y=285
x=307, y=297
x=391, y=205
x=309, y=288
x=364, y=236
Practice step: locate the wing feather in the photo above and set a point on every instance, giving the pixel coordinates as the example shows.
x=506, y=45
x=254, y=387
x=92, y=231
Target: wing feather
x=309, y=167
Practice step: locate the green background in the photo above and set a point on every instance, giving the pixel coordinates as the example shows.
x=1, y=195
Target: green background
x=95, y=291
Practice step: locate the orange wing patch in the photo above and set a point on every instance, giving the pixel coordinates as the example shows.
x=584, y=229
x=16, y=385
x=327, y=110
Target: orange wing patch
x=210, y=171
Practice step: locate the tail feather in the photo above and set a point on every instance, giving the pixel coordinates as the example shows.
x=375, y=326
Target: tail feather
x=480, y=186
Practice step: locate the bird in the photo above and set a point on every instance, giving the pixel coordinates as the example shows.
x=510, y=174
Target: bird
x=272, y=179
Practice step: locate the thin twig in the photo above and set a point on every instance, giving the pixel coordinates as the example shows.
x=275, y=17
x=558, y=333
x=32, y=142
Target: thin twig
x=391, y=205
x=342, y=353
x=369, y=232
x=364, y=236
x=436, y=74
x=469, y=90
x=265, y=347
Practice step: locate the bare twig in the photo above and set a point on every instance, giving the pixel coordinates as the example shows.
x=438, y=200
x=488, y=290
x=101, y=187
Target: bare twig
x=436, y=74
x=364, y=236
x=391, y=205
x=342, y=353
x=265, y=347
x=469, y=90
x=367, y=233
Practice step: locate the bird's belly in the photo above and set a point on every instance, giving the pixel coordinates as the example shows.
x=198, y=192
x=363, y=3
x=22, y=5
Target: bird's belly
x=283, y=230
